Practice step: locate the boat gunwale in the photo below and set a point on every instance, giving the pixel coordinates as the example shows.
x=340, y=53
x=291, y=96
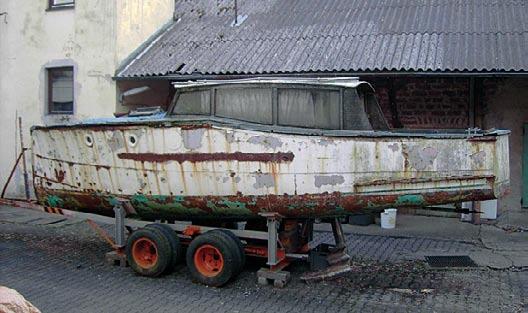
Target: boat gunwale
x=201, y=121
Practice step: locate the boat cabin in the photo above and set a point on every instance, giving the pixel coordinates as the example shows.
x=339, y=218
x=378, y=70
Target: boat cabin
x=329, y=104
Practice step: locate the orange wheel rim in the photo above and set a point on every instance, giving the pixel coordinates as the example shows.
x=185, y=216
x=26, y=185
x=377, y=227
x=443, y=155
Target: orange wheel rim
x=208, y=260
x=145, y=253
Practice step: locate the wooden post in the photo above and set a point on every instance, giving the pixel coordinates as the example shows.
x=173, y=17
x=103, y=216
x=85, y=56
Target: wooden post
x=471, y=112
x=24, y=164
x=393, y=105
x=11, y=174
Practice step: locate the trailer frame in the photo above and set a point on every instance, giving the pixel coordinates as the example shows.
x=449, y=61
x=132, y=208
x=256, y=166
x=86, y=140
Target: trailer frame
x=262, y=244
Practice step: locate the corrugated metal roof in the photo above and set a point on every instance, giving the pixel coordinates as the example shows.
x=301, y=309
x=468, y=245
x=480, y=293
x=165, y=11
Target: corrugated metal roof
x=295, y=36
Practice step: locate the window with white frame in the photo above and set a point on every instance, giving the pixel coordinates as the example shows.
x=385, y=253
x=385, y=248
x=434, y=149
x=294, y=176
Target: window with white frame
x=55, y=4
x=60, y=90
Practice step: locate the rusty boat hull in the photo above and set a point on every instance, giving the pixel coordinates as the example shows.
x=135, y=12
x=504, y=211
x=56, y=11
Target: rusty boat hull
x=188, y=170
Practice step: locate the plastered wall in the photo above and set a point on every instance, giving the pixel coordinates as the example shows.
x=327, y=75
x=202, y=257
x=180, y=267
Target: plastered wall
x=506, y=106
x=94, y=38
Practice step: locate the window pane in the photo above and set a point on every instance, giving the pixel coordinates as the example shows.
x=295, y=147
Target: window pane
x=354, y=115
x=309, y=108
x=374, y=112
x=247, y=104
x=194, y=102
x=61, y=90
x=62, y=2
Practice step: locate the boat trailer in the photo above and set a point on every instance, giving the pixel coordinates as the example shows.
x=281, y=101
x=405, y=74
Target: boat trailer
x=284, y=241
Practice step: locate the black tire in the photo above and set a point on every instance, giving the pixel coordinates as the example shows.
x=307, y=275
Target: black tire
x=237, y=261
x=238, y=245
x=228, y=254
x=176, y=247
x=155, y=240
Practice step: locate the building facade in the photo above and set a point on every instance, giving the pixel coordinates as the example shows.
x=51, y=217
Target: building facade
x=435, y=64
x=57, y=63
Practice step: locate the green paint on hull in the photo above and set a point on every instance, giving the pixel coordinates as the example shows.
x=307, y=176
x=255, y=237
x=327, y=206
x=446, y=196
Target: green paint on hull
x=54, y=201
x=340, y=210
x=410, y=200
x=162, y=206
x=241, y=207
x=226, y=207
x=113, y=201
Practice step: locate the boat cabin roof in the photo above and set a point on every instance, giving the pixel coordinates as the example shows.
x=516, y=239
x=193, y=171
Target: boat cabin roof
x=340, y=103
x=346, y=82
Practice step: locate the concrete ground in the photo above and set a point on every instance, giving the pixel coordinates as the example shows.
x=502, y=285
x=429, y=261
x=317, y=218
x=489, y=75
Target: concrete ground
x=496, y=244
x=58, y=265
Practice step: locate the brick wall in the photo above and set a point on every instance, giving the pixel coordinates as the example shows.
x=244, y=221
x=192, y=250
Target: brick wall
x=426, y=102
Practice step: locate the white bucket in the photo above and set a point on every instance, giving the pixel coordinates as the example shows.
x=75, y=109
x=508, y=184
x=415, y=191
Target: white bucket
x=388, y=219
x=488, y=209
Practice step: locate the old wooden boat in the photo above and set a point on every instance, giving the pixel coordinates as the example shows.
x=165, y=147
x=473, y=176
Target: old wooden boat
x=304, y=148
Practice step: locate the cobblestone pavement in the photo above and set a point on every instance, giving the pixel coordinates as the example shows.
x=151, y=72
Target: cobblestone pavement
x=60, y=268
x=396, y=249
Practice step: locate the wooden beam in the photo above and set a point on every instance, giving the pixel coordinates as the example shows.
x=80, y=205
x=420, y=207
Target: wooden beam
x=396, y=123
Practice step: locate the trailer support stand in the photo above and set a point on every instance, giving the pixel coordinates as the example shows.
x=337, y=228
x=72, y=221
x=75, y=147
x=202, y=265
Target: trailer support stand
x=273, y=227
x=276, y=257
x=329, y=261
x=118, y=257
x=120, y=214
x=339, y=236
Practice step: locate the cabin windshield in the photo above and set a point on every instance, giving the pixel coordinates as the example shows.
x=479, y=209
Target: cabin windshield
x=331, y=108
x=310, y=108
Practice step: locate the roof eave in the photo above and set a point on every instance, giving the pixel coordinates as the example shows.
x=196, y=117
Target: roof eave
x=197, y=76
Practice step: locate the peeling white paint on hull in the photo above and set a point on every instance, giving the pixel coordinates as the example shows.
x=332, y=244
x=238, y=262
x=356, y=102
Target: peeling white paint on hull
x=203, y=170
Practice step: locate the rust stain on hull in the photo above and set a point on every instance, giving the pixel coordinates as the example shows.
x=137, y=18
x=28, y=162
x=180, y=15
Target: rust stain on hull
x=204, y=157
x=59, y=174
x=483, y=139
x=195, y=126
x=249, y=206
x=130, y=126
x=49, y=180
x=70, y=163
x=422, y=180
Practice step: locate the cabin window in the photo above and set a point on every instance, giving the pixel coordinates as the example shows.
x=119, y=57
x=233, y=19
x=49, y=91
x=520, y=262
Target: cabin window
x=193, y=102
x=247, y=104
x=61, y=4
x=354, y=116
x=374, y=113
x=309, y=108
x=60, y=90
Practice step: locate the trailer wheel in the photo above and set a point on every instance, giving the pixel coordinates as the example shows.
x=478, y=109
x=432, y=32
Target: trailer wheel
x=211, y=260
x=174, y=241
x=238, y=246
x=148, y=252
